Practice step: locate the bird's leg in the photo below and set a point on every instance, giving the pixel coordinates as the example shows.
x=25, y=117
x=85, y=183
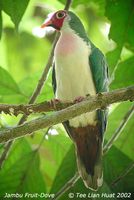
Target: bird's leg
x=53, y=102
x=79, y=99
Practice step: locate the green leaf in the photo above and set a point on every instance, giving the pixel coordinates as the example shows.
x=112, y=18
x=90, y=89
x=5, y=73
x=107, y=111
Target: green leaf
x=47, y=92
x=125, y=141
x=28, y=61
x=28, y=85
x=21, y=172
x=112, y=58
x=0, y=24
x=15, y=9
x=66, y=170
x=115, y=117
x=52, y=152
x=57, y=146
x=124, y=75
x=121, y=15
x=115, y=163
x=13, y=99
x=7, y=84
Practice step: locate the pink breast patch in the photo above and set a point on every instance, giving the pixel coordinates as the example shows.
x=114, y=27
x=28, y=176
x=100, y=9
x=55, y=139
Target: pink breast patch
x=66, y=45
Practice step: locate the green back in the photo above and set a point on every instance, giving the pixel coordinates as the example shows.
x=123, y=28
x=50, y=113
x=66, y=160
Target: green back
x=96, y=59
x=78, y=27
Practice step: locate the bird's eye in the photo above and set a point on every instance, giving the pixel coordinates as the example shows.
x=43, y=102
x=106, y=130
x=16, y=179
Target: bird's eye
x=60, y=15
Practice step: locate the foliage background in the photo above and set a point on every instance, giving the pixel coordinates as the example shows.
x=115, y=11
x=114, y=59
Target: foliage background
x=46, y=161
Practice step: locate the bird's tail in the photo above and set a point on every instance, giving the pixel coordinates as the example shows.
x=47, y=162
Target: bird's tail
x=88, y=144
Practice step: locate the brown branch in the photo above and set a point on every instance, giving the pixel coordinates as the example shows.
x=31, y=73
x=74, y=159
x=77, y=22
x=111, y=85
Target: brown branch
x=119, y=129
x=5, y=153
x=42, y=140
x=68, y=4
x=119, y=95
x=31, y=108
x=100, y=101
x=67, y=186
x=37, y=89
x=123, y=174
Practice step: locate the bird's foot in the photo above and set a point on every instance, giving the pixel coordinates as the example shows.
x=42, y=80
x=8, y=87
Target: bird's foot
x=54, y=102
x=79, y=99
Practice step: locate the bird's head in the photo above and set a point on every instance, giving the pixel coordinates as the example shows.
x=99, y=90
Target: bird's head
x=56, y=19
x=63, y=20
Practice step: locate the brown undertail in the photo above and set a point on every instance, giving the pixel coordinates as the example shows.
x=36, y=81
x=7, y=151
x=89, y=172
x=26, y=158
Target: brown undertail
x=88, y=144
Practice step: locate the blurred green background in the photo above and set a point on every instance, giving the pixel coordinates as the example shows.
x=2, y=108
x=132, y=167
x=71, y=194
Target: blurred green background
x=46, y=161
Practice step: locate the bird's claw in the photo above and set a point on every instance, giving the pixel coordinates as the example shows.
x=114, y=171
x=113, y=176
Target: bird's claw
x=79, y=99
x=54, y=102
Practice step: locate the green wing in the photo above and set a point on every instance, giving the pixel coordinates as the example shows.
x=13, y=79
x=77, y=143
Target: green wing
x=99, y=70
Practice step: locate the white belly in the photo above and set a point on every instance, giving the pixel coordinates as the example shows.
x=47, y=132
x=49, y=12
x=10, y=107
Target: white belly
x=73, y=76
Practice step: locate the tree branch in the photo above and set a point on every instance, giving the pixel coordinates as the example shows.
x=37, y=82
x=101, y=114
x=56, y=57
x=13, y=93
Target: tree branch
x=123, y=174
x=31, y=108
x=119, y=95
x=67, y=186
x=68, y=4
x=37, y=89
x=100, y=101
x=5, y=153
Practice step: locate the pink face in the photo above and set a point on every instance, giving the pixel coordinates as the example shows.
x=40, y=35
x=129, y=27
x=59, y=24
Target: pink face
x=56, y=20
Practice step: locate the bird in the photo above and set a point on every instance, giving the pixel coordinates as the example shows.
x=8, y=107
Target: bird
x=80, y=70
